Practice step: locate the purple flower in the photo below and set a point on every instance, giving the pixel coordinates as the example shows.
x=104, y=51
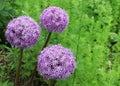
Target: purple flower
x=56, y=62
x=22, y=32
x=54, y=19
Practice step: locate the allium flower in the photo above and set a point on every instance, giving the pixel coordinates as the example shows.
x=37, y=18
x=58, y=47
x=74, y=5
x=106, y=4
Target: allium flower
x=56, y=62
x=54, y=19
x=22, y=32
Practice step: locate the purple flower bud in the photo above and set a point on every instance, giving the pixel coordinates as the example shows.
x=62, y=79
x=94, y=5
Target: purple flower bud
x=56, y=62
x=54, y=19
x=22, y=32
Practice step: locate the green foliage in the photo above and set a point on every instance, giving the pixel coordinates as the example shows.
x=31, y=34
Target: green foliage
x=93, y=28
x=6, y=14
x=6, y=83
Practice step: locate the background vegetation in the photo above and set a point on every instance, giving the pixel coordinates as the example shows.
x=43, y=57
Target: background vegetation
x=93, y=35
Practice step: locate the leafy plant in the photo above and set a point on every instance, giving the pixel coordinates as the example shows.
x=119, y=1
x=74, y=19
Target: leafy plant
x=6, y=14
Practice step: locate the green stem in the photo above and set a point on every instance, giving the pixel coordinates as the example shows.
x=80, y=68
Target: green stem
x=17, y=79
x=34, y=71
x=80, y=17
x=52, y=82
x=48, y=38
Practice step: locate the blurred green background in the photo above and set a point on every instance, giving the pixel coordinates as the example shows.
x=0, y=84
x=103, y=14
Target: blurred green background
x=93, y=35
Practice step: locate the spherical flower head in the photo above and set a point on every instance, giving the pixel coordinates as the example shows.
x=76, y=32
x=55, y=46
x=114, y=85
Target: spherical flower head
x=54, y=19
x=22, y=32
x=56, y=62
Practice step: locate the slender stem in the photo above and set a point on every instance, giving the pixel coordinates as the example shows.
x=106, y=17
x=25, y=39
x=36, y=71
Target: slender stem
x=48, y=38
x=34, y=71
x=52, y=82
x=17, y=79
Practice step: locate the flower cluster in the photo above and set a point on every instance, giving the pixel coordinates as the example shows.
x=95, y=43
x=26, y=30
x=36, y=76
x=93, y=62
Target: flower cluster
x=56, y=62
x=22, y=32
x=54, y=19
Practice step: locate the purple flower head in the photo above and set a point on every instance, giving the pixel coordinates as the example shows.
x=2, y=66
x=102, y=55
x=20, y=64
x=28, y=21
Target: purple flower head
x=22, y=32
x=56, y=62
x=54, y=19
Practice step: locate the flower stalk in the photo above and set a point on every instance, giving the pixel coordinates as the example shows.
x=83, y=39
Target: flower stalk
x=35, y=69
x=52, y=82
x=17, y=79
